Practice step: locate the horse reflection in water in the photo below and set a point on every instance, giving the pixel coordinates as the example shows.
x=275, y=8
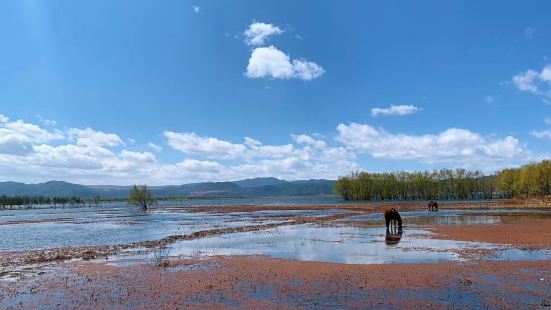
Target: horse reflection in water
x=394, y=230
x=392, y=239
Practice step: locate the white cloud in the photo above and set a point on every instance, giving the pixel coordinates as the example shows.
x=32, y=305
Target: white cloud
x=14, y=143
x=252, y=142
x=271, y=62
x=545, y=74
x=89, y=136
x=17, y=137
x=542, y=134
x=258, y=33
x=489, y=99
x=29, y=153
x=33, y=132
x=525, y=81
x=538, y=83
x=307, y=70
x=72, y=157
x=25, y=152
x=314, y=159
x=456, y=146
x=394, y=110
x=155, y=147
x=191, y=143
x=47, y=122
x=200, y=166
x=210, y=147
x=308, y=140
x=195, y=8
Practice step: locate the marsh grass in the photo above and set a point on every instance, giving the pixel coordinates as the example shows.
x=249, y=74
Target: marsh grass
x=161, y=258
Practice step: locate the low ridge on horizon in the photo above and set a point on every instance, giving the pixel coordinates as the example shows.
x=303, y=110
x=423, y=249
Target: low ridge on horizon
x=253, y=187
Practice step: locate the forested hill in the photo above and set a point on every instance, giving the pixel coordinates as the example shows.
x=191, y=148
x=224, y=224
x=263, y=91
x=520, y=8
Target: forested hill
x=245, y=188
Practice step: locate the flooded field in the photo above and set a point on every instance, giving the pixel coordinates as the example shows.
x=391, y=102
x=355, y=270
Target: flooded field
x=106, y=247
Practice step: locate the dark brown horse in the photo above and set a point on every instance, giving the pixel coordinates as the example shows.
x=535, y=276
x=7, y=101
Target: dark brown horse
x=392, y=217
x=433, y=205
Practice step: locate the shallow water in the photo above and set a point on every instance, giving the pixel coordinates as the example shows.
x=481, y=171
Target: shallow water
x=330, y=243
x=120, y=225
x=344, y=244
x=458, y=217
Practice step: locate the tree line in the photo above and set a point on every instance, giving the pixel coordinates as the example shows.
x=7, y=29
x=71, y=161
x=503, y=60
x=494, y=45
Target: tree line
x=24, y=201
x=444, y=184
x=531, y=180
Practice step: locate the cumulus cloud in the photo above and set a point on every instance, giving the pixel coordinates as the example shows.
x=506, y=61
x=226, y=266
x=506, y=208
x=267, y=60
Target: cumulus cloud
x=312, y=158
x=210, y=147
x=89, y=136
x=266, y=62
x=308, y=140
x=31, y=153
x=18, y=137
x=258, y=33
x=72, y=157
x=457, y=146
x=538, y=83
x=14, y=143
x=195, y=165
x=191, y=143
x=88, y=156
x=394, y=110
x=33, y=132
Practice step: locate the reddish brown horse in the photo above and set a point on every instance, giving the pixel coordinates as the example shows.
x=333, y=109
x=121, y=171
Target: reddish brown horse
x=433, y=205
x=392, y=217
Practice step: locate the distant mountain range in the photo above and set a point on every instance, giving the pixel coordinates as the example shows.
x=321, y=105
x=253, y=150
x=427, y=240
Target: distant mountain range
x=256, y=187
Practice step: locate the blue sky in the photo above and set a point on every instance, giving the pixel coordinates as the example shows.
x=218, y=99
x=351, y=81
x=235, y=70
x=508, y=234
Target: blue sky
x=124, y=92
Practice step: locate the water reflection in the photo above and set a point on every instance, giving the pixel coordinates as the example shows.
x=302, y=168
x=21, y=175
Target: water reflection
x=393, y=238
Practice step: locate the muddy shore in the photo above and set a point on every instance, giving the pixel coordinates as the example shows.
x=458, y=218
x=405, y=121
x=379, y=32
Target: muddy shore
x=523, y=233
x=258, y=282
